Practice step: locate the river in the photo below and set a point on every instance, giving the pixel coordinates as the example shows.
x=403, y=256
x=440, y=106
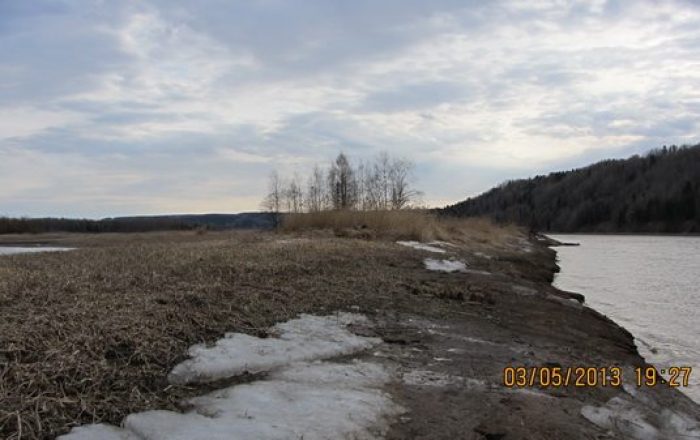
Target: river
x=9, y=250
x=648, y=284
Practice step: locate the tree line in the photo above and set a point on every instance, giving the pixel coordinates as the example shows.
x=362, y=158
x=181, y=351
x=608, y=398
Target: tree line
x=38, y=225
x=656, y=192
x=380, y=184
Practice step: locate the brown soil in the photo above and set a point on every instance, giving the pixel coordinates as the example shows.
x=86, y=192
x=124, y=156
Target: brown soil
x=90, y=335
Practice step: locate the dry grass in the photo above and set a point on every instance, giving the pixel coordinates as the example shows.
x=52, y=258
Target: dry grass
x=90, y=335
x=402, y=225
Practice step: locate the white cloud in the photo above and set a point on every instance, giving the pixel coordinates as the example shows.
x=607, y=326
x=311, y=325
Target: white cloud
x=24, y=121
x=504, y=87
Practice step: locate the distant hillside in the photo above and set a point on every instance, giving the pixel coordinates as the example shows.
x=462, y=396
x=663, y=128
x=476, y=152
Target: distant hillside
x=659, y=192
x=246, y=220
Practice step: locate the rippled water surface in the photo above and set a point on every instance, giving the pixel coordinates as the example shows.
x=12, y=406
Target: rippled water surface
x=648, y=284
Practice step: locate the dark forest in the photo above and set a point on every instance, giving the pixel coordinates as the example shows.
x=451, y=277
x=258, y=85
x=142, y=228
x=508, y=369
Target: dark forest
x=657, y=192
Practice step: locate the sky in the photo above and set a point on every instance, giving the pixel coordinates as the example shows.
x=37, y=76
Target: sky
x=142, y=107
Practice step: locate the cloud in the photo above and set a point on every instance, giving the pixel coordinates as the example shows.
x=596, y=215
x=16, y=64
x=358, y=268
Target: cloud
x=144, y=107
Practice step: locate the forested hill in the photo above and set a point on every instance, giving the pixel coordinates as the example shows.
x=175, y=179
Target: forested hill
x=244, y=220
x=658, y=192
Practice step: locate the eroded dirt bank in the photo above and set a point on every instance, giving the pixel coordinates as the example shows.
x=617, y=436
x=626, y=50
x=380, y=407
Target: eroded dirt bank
x=455, y=362
x=91, y=335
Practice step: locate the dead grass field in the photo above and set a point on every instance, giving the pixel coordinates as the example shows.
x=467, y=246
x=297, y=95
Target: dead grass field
x=403, y=225
x=90, y=335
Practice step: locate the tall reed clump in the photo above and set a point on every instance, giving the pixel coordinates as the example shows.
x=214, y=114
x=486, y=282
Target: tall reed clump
x=411, y=224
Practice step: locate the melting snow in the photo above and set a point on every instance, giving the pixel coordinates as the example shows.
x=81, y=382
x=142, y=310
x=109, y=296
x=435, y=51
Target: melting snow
x=524, y=291
x=306, y=338
x=422, y=246
x=633, y=419
x=310, y=400
x=442, y=243
x=445, y=265
x=569, y=302
x=483, y=255
x=430, y=378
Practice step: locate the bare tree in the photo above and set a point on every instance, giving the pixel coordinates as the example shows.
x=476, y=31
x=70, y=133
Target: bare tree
x=361, y=187
x=382, y=172
x=399, y=176
x=294, y=195
x=341, y=182
x=384, y=183
x=314, y=191
x=273, y=200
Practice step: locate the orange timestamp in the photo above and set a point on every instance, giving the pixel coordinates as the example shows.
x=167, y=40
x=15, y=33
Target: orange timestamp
x=556, y=377
x=650, y=376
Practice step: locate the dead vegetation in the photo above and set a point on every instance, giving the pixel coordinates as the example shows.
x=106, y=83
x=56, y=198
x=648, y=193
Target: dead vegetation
x=410, y=224
x=91, y=334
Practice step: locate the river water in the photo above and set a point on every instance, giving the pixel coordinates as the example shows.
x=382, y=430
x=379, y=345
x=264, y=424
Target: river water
x=9, y=250
x=648, y=284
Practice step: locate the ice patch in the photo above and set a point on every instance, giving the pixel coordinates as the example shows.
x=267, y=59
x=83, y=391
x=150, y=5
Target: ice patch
x=306, y=338
x=524, y=290
x=422, y=246
x=99, y=432
x=623, y=416
x=442, y=243
x=309, y=400
x=483, y=255
x=436, y=379
x=530, y=392
x=477, y=340
x=461, y=338
x=568, y=302
x=445, y=265
x=685, y=426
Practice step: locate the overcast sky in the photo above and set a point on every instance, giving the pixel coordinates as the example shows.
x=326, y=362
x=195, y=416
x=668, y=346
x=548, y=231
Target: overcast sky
x=140, y=107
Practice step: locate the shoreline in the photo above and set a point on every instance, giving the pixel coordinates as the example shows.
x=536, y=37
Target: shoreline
x=645, y=234
x=608, y=267
x=456, y=332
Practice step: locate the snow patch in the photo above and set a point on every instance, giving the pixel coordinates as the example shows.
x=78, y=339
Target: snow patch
x=305, y=338
x=568, y=302
x=483, y=255
x=531, y=392
x=469, y=339
x=422, y=246
x=429, y=378
x=442, y=243
x=524, y=290
x=445, y=265
x=637, y=421
x=477, y=340
x=310, y=400
x=99, y=432
x=620, y=415
x=680, y=423
x=436, y=379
